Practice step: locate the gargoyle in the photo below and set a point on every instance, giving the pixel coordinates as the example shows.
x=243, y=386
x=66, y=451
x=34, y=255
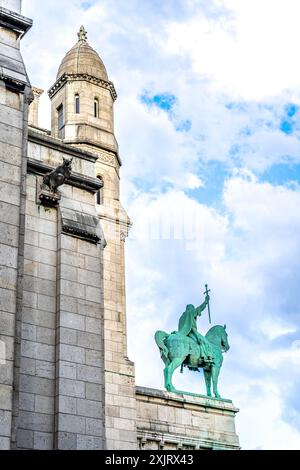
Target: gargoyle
x=57, y=177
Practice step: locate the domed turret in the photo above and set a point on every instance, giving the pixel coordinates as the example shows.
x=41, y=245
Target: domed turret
x=82, y=59
x=82, y=99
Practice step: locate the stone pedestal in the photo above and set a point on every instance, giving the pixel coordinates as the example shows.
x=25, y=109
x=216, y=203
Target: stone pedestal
x=179, y=421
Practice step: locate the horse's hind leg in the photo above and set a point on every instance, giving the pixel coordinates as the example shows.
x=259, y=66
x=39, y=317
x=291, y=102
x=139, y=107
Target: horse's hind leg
x=169, y=370
x=207, y=376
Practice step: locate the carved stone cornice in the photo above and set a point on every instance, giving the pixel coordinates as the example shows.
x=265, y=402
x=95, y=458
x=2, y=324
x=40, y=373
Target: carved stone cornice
x=103, y=153
x=12, y=83
x=78, y=77
x=12, y=20
x=78, y=180
x=56, y=144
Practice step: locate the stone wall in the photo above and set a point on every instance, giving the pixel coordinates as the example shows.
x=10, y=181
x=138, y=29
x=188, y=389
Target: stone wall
x=179, y=421
x=58, y=398
x=14, y=98
x=11, y=131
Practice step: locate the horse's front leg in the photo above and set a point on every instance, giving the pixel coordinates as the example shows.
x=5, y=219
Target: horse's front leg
x=215, y=375
x=207, y=376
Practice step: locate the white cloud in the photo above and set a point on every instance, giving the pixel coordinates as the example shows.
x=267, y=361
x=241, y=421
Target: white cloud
x=246, y=258
x=273, y=328
x=194, y=182
x=262, y=421
x=250, y=52
x=140, y=57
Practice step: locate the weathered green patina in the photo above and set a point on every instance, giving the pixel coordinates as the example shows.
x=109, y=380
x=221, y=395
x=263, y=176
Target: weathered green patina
x=187, y=347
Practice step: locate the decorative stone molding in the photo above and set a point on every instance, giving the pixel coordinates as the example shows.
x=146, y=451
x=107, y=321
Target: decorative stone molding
x=11, y=82
x=105, y=154
x=163, y=440
x=161, y=444
x=108, y=158
x=48, y=198
x=123, y=236
x=79, y=77
x=44, y=196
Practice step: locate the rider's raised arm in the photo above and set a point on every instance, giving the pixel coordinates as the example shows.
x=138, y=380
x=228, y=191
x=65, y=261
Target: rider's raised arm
x=201, y=307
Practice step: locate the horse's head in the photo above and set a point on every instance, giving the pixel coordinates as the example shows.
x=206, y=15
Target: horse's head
x=218, y=336
x=224, y=340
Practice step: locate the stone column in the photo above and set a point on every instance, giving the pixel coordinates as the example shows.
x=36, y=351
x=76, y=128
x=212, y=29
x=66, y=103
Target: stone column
x=14, y=98
x=34, y=388
x=79, y=347
x=120, y=401
x=33, y=118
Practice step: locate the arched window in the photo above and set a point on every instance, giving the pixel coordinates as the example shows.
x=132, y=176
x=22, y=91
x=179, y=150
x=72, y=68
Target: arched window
x=96, y=108
x=60, y=117
x=99, y=193
x=77, y=104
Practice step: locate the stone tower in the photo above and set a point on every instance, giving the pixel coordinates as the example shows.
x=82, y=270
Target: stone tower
x=82, y=101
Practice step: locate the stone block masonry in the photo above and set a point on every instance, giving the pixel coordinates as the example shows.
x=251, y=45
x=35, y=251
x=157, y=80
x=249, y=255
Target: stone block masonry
x=59, y=392
x=35, y=392
x=79, y=413
x=180, y=421
x=14, y=100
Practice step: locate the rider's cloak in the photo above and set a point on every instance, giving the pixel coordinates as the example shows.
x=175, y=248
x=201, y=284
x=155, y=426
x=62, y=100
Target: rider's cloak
x=187, y=321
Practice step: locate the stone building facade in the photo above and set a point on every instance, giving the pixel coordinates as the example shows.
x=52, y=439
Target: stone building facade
x=65, y=379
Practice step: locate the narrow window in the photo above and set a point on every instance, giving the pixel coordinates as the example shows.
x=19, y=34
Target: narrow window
x=60, y=117
x=96, y=108
x=99, y=194
x=77, y=104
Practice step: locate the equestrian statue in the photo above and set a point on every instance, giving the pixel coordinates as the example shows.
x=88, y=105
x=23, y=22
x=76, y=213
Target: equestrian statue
x=187, y=347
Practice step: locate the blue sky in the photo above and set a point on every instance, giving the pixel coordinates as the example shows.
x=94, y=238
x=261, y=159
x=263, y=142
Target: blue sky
x=208, y=123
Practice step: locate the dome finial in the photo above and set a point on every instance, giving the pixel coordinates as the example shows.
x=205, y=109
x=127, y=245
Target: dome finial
x=82, y=35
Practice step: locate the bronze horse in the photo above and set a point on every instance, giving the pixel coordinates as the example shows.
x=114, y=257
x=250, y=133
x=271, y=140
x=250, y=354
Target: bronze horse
x=176, y=350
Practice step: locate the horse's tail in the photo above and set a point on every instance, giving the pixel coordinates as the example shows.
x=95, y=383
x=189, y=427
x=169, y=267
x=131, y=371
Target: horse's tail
x=160, y=338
